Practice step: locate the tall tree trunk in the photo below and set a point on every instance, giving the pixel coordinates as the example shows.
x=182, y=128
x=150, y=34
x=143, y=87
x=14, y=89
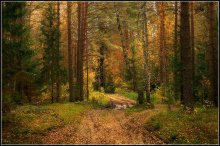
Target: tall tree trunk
x=58, y=49
x=211, y=57
x=192, y=42
x=176, y=89
x=163, y=76
x=133, y=63
x=186, y=56
x=82, y=24
x=102, y=65
x=70, y=57
x=146, y=53
x=87, y=69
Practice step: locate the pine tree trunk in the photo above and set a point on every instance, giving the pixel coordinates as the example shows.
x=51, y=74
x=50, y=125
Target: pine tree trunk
x=192, y=42
x=146, y=54
x=70, y=57
x=82, y=24
x=87, y=69
x=163, y=78
x=186, y=56
x=211, y=57
x=58, y=49
x=176, y=89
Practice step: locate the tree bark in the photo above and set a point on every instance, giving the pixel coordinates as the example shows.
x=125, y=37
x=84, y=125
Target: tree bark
x=212, y=62
x=176, y=89
x=82, y=28
x=70, y=57
x=186, y=56
x=192, y=41
x=58, y=49
x=163, y=67
x=146, y=54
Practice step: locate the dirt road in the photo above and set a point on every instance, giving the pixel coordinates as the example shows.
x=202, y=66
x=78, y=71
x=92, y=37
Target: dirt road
x=107, y=126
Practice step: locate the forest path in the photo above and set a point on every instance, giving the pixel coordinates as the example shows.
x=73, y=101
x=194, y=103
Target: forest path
x=107, y=126
x=120, y=102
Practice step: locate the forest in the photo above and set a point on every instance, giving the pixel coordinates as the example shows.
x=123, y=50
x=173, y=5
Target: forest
x=109, y=72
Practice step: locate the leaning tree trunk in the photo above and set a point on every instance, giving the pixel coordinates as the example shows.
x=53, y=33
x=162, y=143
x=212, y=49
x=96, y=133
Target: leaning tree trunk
x=186, y=56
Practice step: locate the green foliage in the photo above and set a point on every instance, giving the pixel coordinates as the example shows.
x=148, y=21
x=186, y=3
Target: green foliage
x=201, y=87
x=181, y=127
x=50, y=40
x=109, y=84
x=16, y=53
x=126, y=93
x=99, y=98
x=156, y=96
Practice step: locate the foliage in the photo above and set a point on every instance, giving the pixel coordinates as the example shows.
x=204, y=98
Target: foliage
x=18, y=64
x=50, y=40
x=181, y=127
x=126, y=93
x=109, y=84
x=99, y=98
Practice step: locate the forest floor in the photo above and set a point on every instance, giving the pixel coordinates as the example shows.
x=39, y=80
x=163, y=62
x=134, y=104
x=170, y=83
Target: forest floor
x=123, y=123
x=108, y=126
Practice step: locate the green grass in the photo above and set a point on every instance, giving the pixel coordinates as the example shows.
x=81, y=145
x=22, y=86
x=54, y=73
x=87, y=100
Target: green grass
x=180, y=127
x=27, y=120
x=139, y=108
x=129, y=94
x=98, y=99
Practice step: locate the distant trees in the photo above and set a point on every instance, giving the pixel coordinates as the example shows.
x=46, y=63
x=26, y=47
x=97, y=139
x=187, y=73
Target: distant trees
x=123, y=40
x=91, y=38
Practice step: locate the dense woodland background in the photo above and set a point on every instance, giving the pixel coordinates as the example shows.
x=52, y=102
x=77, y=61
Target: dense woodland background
x=55, y=52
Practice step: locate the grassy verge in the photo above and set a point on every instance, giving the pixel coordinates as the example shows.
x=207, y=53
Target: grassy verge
x=182, y=128
x=28, y=120
x=98, y=99
x=129, y=94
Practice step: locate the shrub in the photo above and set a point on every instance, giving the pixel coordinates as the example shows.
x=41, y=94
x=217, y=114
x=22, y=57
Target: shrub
x=109, y=85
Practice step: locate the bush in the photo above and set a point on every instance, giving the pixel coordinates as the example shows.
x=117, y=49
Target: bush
x=98, y=98
x=109, y=85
